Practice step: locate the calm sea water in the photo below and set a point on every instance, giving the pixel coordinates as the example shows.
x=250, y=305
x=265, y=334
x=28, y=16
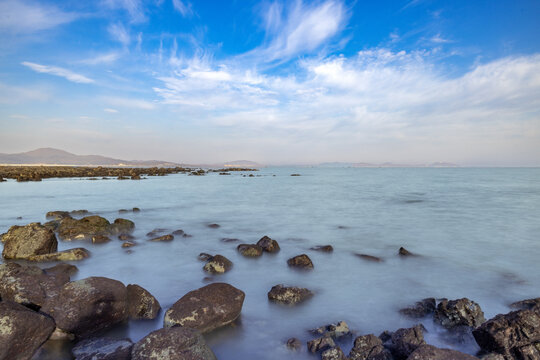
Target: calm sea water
x=478, y=231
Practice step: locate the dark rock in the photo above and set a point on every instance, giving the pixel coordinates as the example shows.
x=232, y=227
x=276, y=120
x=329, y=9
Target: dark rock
x=122, y=226
x=207, y=308
x=369, y=257
x=460, y=312
x=428, y=352
x=79, y=212
x=528, y=352
x=204, y=256
x=100, y=239
x=187, y=236
x=128, y=244
x=404, y=252
x=178, y=342
x=289, y=295
x=320, y=344
x=294, y=344
x=125, y=237
x=335, y=331
x=178, y=232
x=71, y=229
x=268, y=244
x=526, y=304
x=295, y=175
x=301, y=261
x=250, y=250
x=385, y=336
x=163, y=238
x=136, y=209
x=420, y=308
x=62, y=269
x=74, y=254
x=52, y=225
x=123, y=211
x=135, y=177
x=22, y=331
x=218, y=265
x=492, y=356
x=140, y=303
x=230, y=240
x=323, y=248
x=20, y=242
x=156, y=232
x=103, y=349
x=333, y=354
x=87, y=306
x=405, y=341
x=369, y=347
x=57, y=215
x=214, y=226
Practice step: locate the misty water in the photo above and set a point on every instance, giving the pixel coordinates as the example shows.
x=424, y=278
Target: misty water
x=477, y=231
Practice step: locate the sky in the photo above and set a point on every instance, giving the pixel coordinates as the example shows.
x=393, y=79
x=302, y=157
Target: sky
x=277, y=82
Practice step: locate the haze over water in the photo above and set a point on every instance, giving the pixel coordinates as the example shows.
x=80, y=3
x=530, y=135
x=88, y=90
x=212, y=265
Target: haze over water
x=475, y=229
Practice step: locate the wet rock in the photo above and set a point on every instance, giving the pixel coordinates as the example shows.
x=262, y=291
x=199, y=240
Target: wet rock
x=250, y=250
x=295, y=175
x=71, y=229
x=156, y=232
x=135, y=177
x=62, y=269
x=214, y=226
x=141, y=304
x=103, y=349
x=204, y=256
x=369, y=347
x=369, y=257
x=187, y=236
x=22, y=331
x=294, y=344
x=335, y=331
x=526, y=304
x=420, y=309
x=89, y=305
x=123, y=211
x=301, y=262
x=492, y=356
x=79, y=212
x=333, y=354
x=136, y=209
x=227, y=240
x=74, y=254
x=52, y=225
x=218, y=265
x=163, y=238
x=404, y=252
x=57, y=215
x=125, y=237
x=289, y=295
x=207, y=308
x=122, y=226
x=385, y=336
x=460, y=312
x=528, y=352
x=407, y=340
x=269, y=245
x=100, y=239
x=172, y=343
x=428, y=352
x=323, y=248
x=320, y=344
x=178, y=232
x=127, y=244
x=20, y=242
x=506, y=334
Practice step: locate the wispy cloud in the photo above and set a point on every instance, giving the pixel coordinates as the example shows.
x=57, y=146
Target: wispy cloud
x=29, y=17
x=130, y=103
x=438, y=39
x=102, y=58
x=119, y=33
x=112, y=111
x=58, y=71
x=134, y=8
x=184, y=7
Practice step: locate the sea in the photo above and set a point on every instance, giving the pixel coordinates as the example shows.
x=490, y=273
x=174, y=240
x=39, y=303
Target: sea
x=476, y=232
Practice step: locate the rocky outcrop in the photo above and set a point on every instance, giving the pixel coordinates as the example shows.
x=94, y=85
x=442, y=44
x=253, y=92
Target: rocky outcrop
x=428, y=352
x=86, y=306
x=20, y=242
x=217, y=265
x=172, y=343
x=207, y=308
x=369, y=347
x=268, y=245
x=74, y=254
x=289, y=294
x=460, y=312
x=22, y=331
x=300, y=262
x=250, y=250
x=420, y=309
x=140, y=303
x=103, y=349
x=405, y=341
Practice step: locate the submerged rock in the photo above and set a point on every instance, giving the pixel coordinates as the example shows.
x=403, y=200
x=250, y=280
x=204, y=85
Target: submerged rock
x=420, y=309
x=250, y=250
x=172, y=343
x=369, y=347
x=323, y=248
x=294, y=344
x=178, y=232
x=214, y=226
x=460, y=312
x=125, y=237
x=163, y=238
x=207, y=308
x=66, y=255
x=103, y=349
x=140, y=303
x=20, y=242
x=122, y=226
x=204, y=256
x=127, y=244
x=301, y=261
x=428, y=352
x=289, y=295
x=369, y=257
x=269, y=245
x=218, y=265
x=57, y=215
x=100, y=239
x=526, y=304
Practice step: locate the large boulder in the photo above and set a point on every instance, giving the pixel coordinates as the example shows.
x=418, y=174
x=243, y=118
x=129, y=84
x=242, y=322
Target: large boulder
x=369, y=347
x=428, y=352
x=85, y=228
x=300, y=262
x=103, y=349
x=22, y=331
x=289, y=294
x=407, y=340
x=89, y=305
x=21, y=242
x=268, y=244
x=74, y=254
x=207, y=308
x=141, y=304
x=460, y=312
x=217, y=264
x=177, y=342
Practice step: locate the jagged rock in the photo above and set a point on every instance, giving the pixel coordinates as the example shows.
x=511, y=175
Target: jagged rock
x=301, y=262
x=369, y=347
x=20, y=242
x=269, y=245
x=528, y=352
x=289, y=295
x=420, y=309
x=320, y=344
x=460, y=312
x=428, y=352
x=323, y=248
x=177, y=342
x=89, y=305
x=333, y=354
x=74, y=254
x=22, y=331
x=207, y=308
x=218, y=265
x=163, y=238
x=335, y=331
x=369, y=257
x=140, y=303
x=526, y=304
x=103, y=349
x=405, y=341
x=294, y=344
x=71, y=229
x=250, y=250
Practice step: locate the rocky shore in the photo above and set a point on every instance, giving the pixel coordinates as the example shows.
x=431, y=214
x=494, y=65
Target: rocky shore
x=39, y=305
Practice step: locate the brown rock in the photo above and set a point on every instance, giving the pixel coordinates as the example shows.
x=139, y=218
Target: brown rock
x=369, y=347
x=214, y=226
x=333, y=354
x=103, y=349
x=420, y=308
x=127, y=244
x=335, y=331
x=323, y=248
x=269, y=245
x=294, y=344
x=74, y=254
x=100, y=239
x=125, y=237
x=526, y=304
x=20, y=242
x=141, y=304
x=320, y=344
x=71, y=229
x=428, y=352
x=405, y=341
x=301, y=262
x=250, y=250
x=460, y=312
x=121, y=226
x=218, y=265
x=404, y=252
x=369, y=257
x=289, y=295
x=62, y=269
x=57, y=215
x=163, y=238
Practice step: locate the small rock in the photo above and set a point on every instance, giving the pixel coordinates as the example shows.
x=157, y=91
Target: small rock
x=333, y=354
x=100, y=239
x=526, y=304
x=214, y=226
x=140, y=303
x=250, y=250
x=323, y=248
x=128, y=244
x=74, y=254
x=289, y=295
x=218, y=265
x=162, y=238
x=122, y=226
x=62, y=269
x=103, y=349
x=369, y=257
x=294, y=344
x=229, y=240
x=122, y=211
x=428, y=352
x=404, y=252
x=136, y=209
x=295, y=175
x=204, y=256
x=178, y=232
x=301, y=261
x=57, y=215
x=420, y=309
x=461, y=312
x=269, y=245
x=156, y=232
x=335, y=331
x=320, y=344
x=125, y=237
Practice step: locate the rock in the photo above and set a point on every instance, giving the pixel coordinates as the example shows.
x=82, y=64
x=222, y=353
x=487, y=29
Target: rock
x=218, y=265
x=207, y=308
x=28, y=285
x=335, y=331
x=404, y=252
x=79, y=212
x=289, y=295
x=294, y=344
x=269, y=245
x=20, y=242
x=526, y=304
x=89, y=305
x=100, y=239
x=177, y=342
x=214, y=226
x=57, y=215
x=460, y=312
x=127, y=244
x=62, y=269
x=333, y=354
x=528, y=352
x=125, y=237
x=140, y=303
x=369, y=257
x=323, y=248
x=74, y=254
x=420, y=309
x=22, y=331
x=156, y=232
x=405, y=341
x=295, y=175
x=492, y=356
x=136, y=209
x=103, y=349
x=230, y=240
x=301, y=261
x=122, y=226
x=70, y=229
x=505, y=334
x=369, y=347
x=428, y=352
x=52, y=225
x=163, y=238
x=320, y=344
x=123, y=211
x=135, y=177
x=250, y=250
x=178, y=232
x=204, y=256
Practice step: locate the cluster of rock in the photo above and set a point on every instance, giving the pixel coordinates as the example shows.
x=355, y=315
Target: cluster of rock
x=265, y=244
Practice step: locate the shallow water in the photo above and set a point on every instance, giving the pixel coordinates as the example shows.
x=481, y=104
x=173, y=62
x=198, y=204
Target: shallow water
x=475, y=229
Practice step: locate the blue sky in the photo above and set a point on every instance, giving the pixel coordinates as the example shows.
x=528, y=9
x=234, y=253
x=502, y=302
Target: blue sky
x=276, y=82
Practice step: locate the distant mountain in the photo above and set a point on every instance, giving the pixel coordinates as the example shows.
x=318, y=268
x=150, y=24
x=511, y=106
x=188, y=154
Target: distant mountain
x=243, y=164
x=50, y=156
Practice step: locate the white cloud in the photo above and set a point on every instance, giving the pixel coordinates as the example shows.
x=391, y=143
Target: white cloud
x=53, y=70
x=438, y=39
x=134, y=8
x=119, y=33
x=184, y=7
x=29, y=17
x=107, y=58
x=130, y=103
x=112, y=111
